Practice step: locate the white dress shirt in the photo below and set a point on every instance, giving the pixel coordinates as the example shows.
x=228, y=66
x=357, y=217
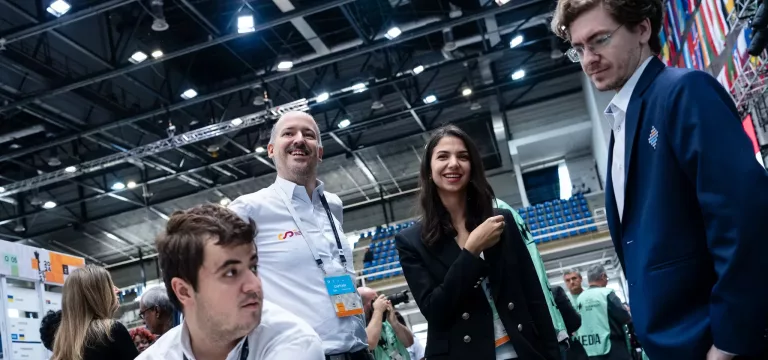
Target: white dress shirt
x=287, y=269
x=416, y=351
x=616, y=113
x=281, y=335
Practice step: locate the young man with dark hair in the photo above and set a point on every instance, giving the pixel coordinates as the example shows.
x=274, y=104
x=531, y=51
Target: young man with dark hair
x=209, y=266
x=685, y=198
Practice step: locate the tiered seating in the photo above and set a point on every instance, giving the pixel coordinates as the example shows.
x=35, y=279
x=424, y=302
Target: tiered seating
x=553, y=219
x=385, y=257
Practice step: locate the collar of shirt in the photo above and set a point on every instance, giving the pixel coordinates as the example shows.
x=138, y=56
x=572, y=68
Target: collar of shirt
x=299, y=191
x=620, y=101
x=186, y=345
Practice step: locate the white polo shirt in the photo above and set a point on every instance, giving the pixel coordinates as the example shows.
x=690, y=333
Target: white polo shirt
x=281, y=335
x=287, y=269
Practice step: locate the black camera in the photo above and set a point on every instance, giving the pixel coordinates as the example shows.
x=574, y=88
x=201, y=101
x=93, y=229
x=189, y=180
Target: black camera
x=399, y=298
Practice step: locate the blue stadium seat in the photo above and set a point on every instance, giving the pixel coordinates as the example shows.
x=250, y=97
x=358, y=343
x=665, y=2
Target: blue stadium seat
x=544, y=231
x=562, y=227
x=577, y=216
x=560, y=220
x=374, y=263
x=522, y=215
x=540, y=218
x=542, y=225
x=533, y=226
x=549, y=217
x=558, y=207
x=584, y=208
x=535, y=233
x=566, y=212
x=583, y=201
x=574, y=233
x=375, y=256
x=554, y=236
x=568, y=218
x=551, y=222
x=547, y=203
x=571, y=225
x=548, y=210
x=587, y=214
x=366, y=265
x=593, y=228
x=590, y=221
x=391, y=252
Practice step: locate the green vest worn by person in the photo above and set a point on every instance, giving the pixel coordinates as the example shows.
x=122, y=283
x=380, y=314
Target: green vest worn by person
x=525, y=233
x=391, y=348
x=595, y=331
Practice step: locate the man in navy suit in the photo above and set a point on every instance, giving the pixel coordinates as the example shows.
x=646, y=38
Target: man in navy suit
x=686, y=199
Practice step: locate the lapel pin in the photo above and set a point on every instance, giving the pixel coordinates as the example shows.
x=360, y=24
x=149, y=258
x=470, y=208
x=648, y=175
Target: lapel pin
x=654, y=138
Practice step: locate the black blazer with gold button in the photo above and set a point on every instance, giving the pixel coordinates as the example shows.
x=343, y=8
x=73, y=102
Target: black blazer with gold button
x=445, y=282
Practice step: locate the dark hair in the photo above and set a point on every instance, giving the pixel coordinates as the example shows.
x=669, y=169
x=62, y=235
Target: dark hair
x=436, y=221
x=625, y=12
x=181, y=247
x=48, y=326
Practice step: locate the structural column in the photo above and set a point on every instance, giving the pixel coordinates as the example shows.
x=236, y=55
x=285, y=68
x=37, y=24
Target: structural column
x=519, y=175
x=597, y=101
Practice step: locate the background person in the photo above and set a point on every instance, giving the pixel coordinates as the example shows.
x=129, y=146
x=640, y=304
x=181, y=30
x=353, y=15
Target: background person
x=469, y=270
x=210, y=270
x=416, y=351
x=156, y=310
x=48, y=326
x=87, y=330
x=682, y=172
x=387, y=338
x=603, y=317
x=142, y=338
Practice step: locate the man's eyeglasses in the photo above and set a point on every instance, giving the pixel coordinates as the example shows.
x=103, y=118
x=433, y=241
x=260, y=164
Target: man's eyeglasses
x=594, y=46
x=141, y=313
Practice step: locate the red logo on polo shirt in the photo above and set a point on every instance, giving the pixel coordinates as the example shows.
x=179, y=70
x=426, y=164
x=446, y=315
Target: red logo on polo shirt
x=287, y=234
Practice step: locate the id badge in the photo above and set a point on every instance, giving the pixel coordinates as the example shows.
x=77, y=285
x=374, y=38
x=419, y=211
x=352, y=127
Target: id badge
x=501, y=333
x=344, y=297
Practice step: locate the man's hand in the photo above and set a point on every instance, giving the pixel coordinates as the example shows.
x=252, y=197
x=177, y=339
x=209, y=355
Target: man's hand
x=380, y=304
x=391, y=313
x=716, y=354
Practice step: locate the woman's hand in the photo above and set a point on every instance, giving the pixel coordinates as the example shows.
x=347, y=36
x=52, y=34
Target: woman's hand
x=485, y=235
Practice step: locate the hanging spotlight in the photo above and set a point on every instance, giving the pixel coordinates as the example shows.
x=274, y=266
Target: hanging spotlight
x=138, y=57
x=70, y=169
x=118, y=186
x=466, y=92
x=236, y=122
x=131, y=184
x=58, y=8
x=285, y=65
x=519, y=74
x=49, y=205
x=245, y=23
x=260, y=150
x=2, y=189
x=344, y=123
x=157, y=54
x=430, y=99
x=188, y=94
x=393, y=32
x=322, y=97
x=517, y=40
x=159, y=23
x=418, y=69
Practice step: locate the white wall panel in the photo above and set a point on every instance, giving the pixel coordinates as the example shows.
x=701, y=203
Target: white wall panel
x=547, y=115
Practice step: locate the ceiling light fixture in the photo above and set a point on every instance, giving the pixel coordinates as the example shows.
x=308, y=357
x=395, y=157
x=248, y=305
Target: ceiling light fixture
x=359, y=87
x=70, y=169
x=137, y=57
x=260, y=150
x=517, y=40
x=344, y=123
x=430, y=99
x=118, y=186
x=2, y=189
x=188, y=94
x=58, y=8
x=393, y=32
x=131, y=184
x=49, y=205
x=245, y=23
x=519, y=74
x=322, y=97
x=285, y=65
x=157, y=54
x=466, y=92
x=418, y=69
x=224, y=201
x=236, y=122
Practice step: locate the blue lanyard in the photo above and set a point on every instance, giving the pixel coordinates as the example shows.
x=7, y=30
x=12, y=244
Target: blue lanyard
x=243, y=351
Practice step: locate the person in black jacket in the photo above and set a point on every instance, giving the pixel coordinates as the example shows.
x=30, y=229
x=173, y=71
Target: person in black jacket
x=572, y=321
x=469, y=271
x=87, y=330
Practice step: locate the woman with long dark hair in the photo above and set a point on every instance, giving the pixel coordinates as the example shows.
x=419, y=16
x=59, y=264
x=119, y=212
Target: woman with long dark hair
x=467, y=266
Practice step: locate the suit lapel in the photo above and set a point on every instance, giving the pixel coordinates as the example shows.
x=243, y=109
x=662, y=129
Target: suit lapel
x=446, y=251
x=633, y=120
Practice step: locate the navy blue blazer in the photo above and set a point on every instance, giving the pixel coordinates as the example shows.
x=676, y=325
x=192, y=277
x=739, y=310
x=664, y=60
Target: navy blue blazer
x=693, y=233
